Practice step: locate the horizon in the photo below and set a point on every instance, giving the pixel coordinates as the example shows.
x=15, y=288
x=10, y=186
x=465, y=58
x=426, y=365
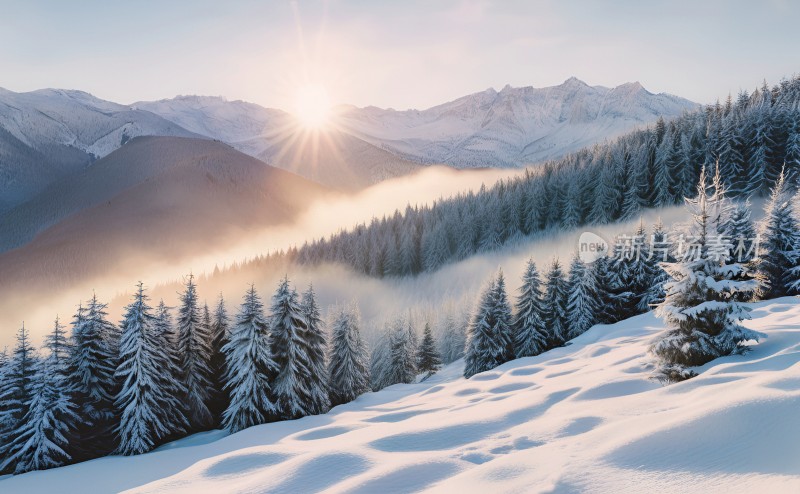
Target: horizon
x=356, y=53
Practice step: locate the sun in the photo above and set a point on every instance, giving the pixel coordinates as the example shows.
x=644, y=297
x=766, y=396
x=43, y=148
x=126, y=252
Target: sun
x=312, y=106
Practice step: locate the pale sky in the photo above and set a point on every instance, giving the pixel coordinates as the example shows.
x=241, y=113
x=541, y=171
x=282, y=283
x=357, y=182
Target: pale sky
x=399, y=54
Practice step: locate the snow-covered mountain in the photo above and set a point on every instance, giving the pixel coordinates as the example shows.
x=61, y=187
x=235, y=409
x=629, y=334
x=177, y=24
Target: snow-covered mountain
x=51, y=133
x=581, y=418
x=330, y=157
x=512, y=127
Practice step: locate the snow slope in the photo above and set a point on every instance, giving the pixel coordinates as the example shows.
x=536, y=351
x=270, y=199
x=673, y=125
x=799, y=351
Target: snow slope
x=52, y=133
x=515, y=126
x=583, y=418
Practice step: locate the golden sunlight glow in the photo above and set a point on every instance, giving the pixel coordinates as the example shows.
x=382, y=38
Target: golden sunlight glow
x=312, y=106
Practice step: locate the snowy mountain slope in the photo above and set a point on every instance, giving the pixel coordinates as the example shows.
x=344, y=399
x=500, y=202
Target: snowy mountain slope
x=238, y=123
x=582, y=418
x=51, y=133
x=327, y=156
x=514, y=126
x=156, y=197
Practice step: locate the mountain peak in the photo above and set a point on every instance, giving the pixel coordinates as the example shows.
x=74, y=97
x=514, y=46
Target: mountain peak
x=574, y=81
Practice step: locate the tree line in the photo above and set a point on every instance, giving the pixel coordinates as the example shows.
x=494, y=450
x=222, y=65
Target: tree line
x=125, y=389
x=697, y=287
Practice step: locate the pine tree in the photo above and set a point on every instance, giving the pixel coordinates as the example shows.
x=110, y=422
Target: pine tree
x=453, y=338
x=16, y=392
x=249, y=367
x=700, y=310
x=581, y=299
x=402, y=363
x=40, y=442
x=219, y=337
x=92, y=363
x=554, y=306
x=489, y=341
x=529, y=325
x=148, y=409
x=780, y=246
x=316, y=344
x=659, y=251
x=348, y=363
x=288, y=328
x=165, y=334
x=194, y=348
x=428, y=359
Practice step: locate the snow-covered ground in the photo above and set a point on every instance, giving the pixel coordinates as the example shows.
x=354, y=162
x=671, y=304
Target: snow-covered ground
x=583, y=418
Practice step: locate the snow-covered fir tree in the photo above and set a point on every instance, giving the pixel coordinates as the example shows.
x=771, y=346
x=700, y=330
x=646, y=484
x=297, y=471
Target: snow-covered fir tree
x=219, y=337
x=380, y=360
x=554, y=306
x=316, y=345
x=288, y=328
x=700, y=310
x=92, y=363
x=402, y=358
x=194, y=348
x=165, y=334
x=249, y=367
x=16, y=392
x=148, y=410
x=779, y=247
x=428, y=359
x=581, y=298
x=742, y=233
x=529, y=324
x=489, y=341
x=659, y=251
x=348, y=363
x=40, y=443
x=452, y=336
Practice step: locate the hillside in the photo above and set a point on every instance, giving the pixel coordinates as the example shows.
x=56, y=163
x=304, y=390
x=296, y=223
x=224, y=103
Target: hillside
x=579, y=418
x=49, y=134
x=515, y=126
x=156, y=198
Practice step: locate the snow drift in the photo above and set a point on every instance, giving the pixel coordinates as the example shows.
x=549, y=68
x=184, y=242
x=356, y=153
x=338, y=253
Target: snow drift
x=585, y=417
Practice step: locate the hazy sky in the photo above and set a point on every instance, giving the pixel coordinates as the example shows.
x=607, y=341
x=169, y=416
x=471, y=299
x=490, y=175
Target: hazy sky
x=400, y=54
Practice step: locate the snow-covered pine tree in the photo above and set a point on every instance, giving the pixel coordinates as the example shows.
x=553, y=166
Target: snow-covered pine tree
x=148, y=409
x=581, y=298
x=167, y=338
x=428, y=359
x=452, y=337
x=659, y=251
x=489, y=339
x=249, y=367
x=316, y=344
x=219, y=337
x=194, y=348
x=742, y=233
x=92, y=363
x=402, y=363
x=16, y=391
x=779, y=245
x=504, y=330
x=700, y=310
x=348, y=365
x=380, y=360
x=288, y=328
x=529, y=325
x=554, y=306
x=40, y=443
